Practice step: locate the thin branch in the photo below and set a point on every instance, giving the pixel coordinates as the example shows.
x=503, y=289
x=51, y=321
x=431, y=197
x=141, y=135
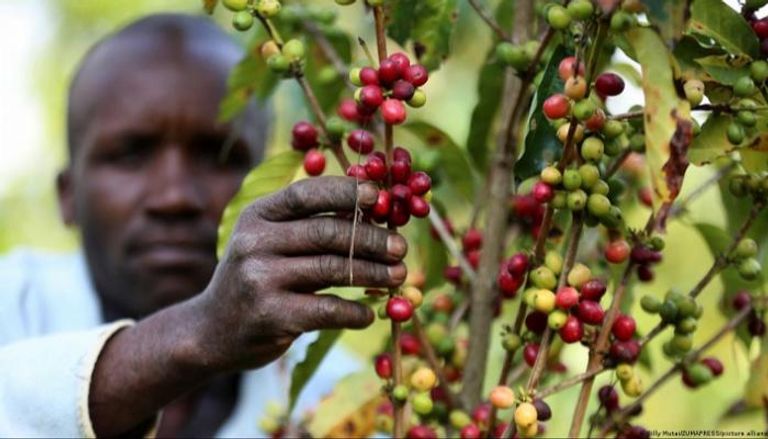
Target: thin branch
x=568, y=383
x=616, y=164
x=450, y=245
x=486, y=17
x=680, y=207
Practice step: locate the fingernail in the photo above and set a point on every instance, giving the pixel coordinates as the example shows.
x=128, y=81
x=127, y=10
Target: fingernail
x=397, y=273
x=396, y=246
x=367, y=193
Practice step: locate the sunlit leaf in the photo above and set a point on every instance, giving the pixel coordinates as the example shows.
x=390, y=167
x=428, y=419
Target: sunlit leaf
x=303, y=371
x=271, y=175
x=668, y=15
x=715, y=19
x=350, y=411
x=724, y=68
x=712, y=142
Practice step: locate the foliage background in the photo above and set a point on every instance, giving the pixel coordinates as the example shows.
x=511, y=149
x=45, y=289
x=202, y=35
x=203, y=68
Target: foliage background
x=42, y=42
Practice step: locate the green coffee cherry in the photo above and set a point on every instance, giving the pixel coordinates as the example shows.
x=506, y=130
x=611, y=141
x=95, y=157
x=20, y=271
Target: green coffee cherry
x=268, y=8
x=682, y=342
x=560, y=200
x=590, y=175
x=744, y=87
x=459, y=419
x=735, y=133
x=278, y=63
x=553, y=261
x=668, y=311
x=598, y=205
x=601, y=187
x=422, y=403
x=242, y=20
x=746, y=118
x=686, y=326
x=581, y=9
x=624, y=372
x=512, y=55
x=621, y=21
x=637, y=142
x=699, y=373
x=354, y=76
x=584, y=109
x=335, y=127
x=614, y=147
x=418, y=99
x=694, y=91
x=293, y=50
x=657, y=243
x=400, y=392
x=544, y=278
x=749, y=269
x=614, y=219
x=746, y=248
x=613, y=129
x=556, y=319
x=577, y=200
x=551, y=175
x=558, y=17
x=758, y=71
x=592, y=148
x=571, y=179
x=511, y=342
x=235, y=5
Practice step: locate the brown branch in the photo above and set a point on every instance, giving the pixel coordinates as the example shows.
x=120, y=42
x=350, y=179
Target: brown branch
x=568, y=383
x=486, y=17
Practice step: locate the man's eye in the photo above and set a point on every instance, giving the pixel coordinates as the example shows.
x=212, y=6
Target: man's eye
x=221, y=151
x=130, y=150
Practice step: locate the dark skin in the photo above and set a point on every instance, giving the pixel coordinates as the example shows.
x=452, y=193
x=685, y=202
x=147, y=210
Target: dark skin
x=147, y=191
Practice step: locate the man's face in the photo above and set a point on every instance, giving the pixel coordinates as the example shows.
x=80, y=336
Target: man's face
x=147, y=184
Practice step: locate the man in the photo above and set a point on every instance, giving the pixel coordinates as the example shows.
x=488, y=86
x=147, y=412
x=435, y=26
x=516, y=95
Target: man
x=146, y=184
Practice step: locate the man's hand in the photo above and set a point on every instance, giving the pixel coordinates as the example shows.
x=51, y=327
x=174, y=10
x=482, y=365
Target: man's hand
x=284, y=248
x=261, y=297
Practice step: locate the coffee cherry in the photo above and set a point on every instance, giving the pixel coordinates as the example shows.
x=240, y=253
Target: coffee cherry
x=681, y=343
x=380, y=210
x=347, y=110
x=590, y=175
x=623, y=327
x=609, y=84
x=613, y=129
x=566, y=297
x=543, y=277
x=592, y=149
x=530, y=352
x=401, y=61
x=235, y=5
x=562, y=133
x=556, y=319
x=714, y=365
x=375, y=168
x=383, y=365
x=368, y=76
x=746, y=248
x=419, y=431
x=511, y=342
x=410, y=344
x=758, y=71
x=400, y=172
x=512, y=55
x=470, y=431
x=401, y=192
x=278, y=64
x=418, y=99
x=360, y=141
x=598, y=205
x=399, y=308
x=577, y=200
x=579, y=275
x=760, y=27
x=508, y=284
x=556, y=106
x=294, y=50
x=596, y=122
x=625, y=351
x=393, y=112
x=502, y=397
x=416, y=74
x=580, y=10
x=389, y=72
x=621, y=21
x=536, y=322
x=699, y=373
x=370, y=96
x=314, y=162
x=518, y=264
x=741, y=300
x=422, y=403
x=542, y=192
x=242, y=20
x=746, y=118
x=616, y=252
x=403, y=90
x=304, y=136
x=624, y=372
x=749, y=269
x=567, y=68
x=744, y=87
x=558, y=17
x=525, y=414
x=584, y=109
x=572, y=330
x=590, y=312
x=608, y=397
x=423, y=379
x=575, y=87
x=419, y=207
x=268, y=8
x=544, y=301
x=593, y=290
x=755, y=325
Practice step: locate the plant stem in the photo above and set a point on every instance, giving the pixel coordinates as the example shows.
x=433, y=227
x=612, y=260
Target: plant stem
x=486, y=17
x=568, y=383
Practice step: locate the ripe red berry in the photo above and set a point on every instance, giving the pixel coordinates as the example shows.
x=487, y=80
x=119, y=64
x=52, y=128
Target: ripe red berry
x=714, y=365
x=375, y=168
x=473, y=257
x=400, y=172
x=399, y=214
x=399, y=308
x=393, y=112
x=625, y=351
x=369, y=76
x=596, y=122
x=644, y=273
x=401, y=192
x=304, y=136
x=608, y=397
x=623, y=327
x=542, y=192
x=453, y=274
x=518, y=264
x=371, y=96
x=420, y=183
x=644, y=255
x=756, y=325
x=470, y=431
x=314, y=162
x=760, y=27
x=590, y=312
x=347, y=110
x=536, y=322
x=645, y=196
x=609, y=84
x=556, y=106
x=420, y=432
x=360, y=141
x=389, y=72
x=508, y=283
x=572, y=331
x=383, y=365
x=400, y=154
x=498, y=431
x=617, y=251
x=403, y=90
x=472, y=240
x=482, y=414
x=357, y=171
x=401, y=60
x=741, y=300
x=530, y=352
x=410, y=344
x=416, y=75
x=418, y=207
x=566, y=298
x=593, y=290
x=380, y=210
x=566, y=68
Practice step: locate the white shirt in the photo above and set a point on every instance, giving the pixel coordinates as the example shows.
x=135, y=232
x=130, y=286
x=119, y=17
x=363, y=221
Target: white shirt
x=51, y=334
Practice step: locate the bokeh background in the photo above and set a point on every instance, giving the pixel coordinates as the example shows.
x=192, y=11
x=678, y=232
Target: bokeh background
x=42, y=41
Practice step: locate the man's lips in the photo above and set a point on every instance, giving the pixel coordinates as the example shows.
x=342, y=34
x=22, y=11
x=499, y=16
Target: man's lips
x=174, y=254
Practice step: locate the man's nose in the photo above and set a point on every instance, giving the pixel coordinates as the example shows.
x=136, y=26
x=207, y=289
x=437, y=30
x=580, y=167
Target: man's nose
x=174, y=189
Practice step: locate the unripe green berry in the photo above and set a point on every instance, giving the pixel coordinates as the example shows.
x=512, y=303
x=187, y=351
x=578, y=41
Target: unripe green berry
x=422, y=403
x=571, y=179
x=577, y=200
x=735, y=133
x=621, y=21
x=400, y=392
x=614, y=147
x=668, y=311
x=650, y=304
x=592, y=149
x=612, y=129
x=242, y=20
x=682, y=342
x=699, y=373
x=293, y=50
x=624, y=372
x=268, y=8
x=657, y=243
x=584, y=109
x=278, y=63
x=335, y=127
x=590, y=175
x=551, y=175
x=614, y=219
x=637, y=142
x=601, y=187
x=686, y=326
x=544, y=278
x=758, y=70
x=746, y=118
x=560, y=200
x=749, y=269
x=579, y=275
x=686, y=307
x=512, y=55
x=418, y=99
x=511, y=342
x=235, y=5
x=558, y=17
x=553, y=261
x=459, y=419
x=744, y=87
x=746, y=248
x=354, y=76
x=581, y=9
x=556, y=319
x=694, y=91
x=598, y=205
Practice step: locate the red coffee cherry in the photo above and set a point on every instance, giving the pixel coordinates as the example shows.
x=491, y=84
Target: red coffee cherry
x=403, y=90
x=347, y=110
x=371, y=96
x=714, y=365
x=530, y=352
x=536, y=322
x=508, y=283
x=470, y=431
x=401, y=192
x=590, y=312
x=410, y=344
x=566, y=298
x=596, y=122
x=400, y=171
x=357, y=171
x=608, y=397
x=566, y=68
x=401, y=61
x=482, y=414
x=472, y=240
x=380, y=210
x=383, y=366
x=617, y=251
x=360, y=141
x=623, y=327
x=760, y=27
x=572, y=331
x=741, y=300
x=625, y=351
x=420, y=432
x=644, y=273
x=399, y=214
x=453, y=274
x=420, y=183
x=304, y=136
x=389, y=72
x=375, y=168
x=609, y=84
x=400, y=154
x=416, y=75
x=542, y=192
x=393, y=112
x=543, y=411
x=369, y=76
x=314, y=162
x=399, y=308
x=556, y=106
x=418, y=207
x=593, y=290
x=518, y=264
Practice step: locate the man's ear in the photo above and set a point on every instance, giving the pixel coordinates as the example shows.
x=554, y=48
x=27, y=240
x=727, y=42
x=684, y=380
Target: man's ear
x=66, y=195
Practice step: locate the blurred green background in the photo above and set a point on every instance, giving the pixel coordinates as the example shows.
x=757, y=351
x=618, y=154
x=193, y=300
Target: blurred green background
x=43, y=40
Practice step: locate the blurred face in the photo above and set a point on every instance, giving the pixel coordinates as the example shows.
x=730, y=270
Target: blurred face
x=148, y=184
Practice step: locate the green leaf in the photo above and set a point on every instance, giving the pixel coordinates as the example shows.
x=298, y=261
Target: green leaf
x=270, y=176
x=490, y=87
x=686, y=52
x=315, y=354
x=756, y=4
x=715, y=19
x=664, y=114
x=541, y=143
x=452, y=162
x=428, y=23
x=402, y=14
x=668, y=15
x=725, y=69
x=712, y=142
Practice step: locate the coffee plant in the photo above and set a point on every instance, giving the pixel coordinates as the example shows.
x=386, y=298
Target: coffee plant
x=527, y=215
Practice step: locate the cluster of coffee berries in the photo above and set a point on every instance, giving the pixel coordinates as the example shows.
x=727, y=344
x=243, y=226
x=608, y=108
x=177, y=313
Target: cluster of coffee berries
x=245, y=9
x=386, y=88
x=562, y=17
x=745, y=258
x=755, y=324
x=678, y=310
x=631, y=383
x=701, y=372
x=527, y=213
x=305, y=138
x=517, y=56
x=609, y=401
x=645, y=255
x=512, y=274
x=754, y=185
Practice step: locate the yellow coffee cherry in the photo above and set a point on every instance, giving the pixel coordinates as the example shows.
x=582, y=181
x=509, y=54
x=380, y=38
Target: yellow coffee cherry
x=413, y=295
x=544, y=301
x=624, y=372
x=423, y=379
x=525, y=415
x=632, y=387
